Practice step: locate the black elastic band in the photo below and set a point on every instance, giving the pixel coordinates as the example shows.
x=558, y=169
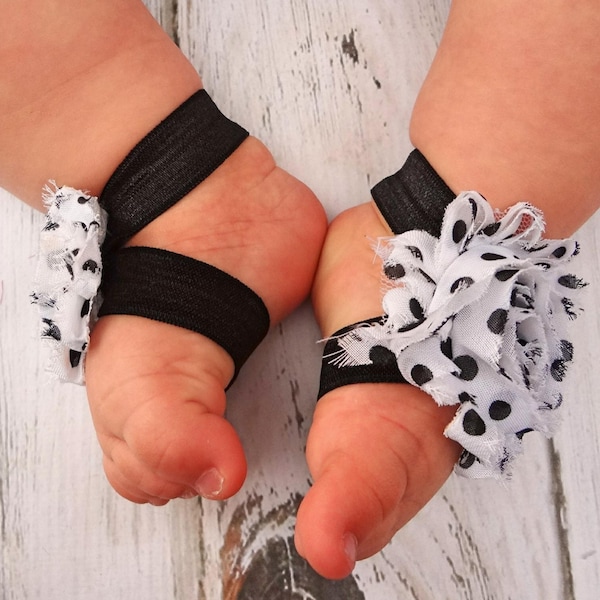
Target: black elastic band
x=415, y=197
x=175, y=157
x=176, y=289
x=383, y=369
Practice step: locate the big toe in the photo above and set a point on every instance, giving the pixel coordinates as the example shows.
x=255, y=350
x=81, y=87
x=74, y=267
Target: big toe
x=377, y=454
x=157, y=400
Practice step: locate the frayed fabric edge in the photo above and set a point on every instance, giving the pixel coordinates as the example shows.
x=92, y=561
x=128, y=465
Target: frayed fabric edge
x=68, y=277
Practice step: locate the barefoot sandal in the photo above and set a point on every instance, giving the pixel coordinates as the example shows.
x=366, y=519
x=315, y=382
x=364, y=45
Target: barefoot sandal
x=476, y=309
x=84, y=271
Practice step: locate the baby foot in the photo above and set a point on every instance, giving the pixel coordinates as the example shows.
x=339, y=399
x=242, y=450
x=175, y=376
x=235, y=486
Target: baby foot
x=376, y=452
x=156, y=391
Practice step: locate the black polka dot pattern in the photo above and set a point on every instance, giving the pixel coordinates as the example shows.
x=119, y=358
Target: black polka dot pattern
x=468, y=367
x=416, y=309
x=473, y=424
x=506, y=274
x=497, y=321
x=395, y=271
x=558, y=369
x=459, y=230
x=492, y=256
x=466, y=460
x=474, y=208
x=571, y=281
x=479, y=318
x=85, y=308
x=491, y=229
x=51, y=330
x=461, y=283
x=559, y=252
x=91, y=265
x=382, y=356
x=416, y=252
x=499, y=410
x=465, y=397
x=421, y=375
x=446, y=347
x=566, y=350
x=74, y=358
x=68, y=278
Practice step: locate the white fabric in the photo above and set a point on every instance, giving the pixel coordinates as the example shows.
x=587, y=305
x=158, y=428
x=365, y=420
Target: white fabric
x=68, y=276
x=479, y=317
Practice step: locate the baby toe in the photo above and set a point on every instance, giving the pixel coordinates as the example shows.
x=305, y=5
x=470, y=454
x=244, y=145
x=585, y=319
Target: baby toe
x=159, y=390
x=377, y=454
x=127, y=474
x=125, y=486
x=189, y=447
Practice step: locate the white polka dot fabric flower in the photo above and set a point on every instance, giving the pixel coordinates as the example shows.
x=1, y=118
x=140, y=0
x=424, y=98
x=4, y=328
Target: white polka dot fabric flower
x=479, y=318
x=68, y=277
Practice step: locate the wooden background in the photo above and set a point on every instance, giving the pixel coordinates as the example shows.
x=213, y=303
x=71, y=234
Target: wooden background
x=328, y=85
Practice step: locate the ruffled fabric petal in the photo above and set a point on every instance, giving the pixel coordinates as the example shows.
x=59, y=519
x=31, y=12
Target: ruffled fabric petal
x=68, y=277
x=479, y=318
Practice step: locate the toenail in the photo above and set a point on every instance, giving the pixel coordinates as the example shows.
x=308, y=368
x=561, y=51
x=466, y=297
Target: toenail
x=188, y=494
x=210, y=484
x=157, y=502
x=350, y=547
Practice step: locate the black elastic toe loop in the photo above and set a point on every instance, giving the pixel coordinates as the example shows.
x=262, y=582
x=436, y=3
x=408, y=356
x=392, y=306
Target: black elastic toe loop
x=176, y=289
x=383, y=369
x=415, y=197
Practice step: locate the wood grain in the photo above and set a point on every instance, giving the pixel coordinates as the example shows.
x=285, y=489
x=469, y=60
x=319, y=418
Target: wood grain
x=329, y=86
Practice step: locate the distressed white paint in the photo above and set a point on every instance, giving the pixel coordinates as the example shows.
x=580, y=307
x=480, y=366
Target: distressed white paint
x=337, y=118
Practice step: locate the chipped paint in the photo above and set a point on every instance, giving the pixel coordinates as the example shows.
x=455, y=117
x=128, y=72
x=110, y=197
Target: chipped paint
x=349, y=47
x=295, y=390
x=259, y=558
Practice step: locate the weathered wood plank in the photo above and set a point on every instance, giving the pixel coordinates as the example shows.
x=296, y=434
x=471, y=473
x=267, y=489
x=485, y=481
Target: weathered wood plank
x=575, y=447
